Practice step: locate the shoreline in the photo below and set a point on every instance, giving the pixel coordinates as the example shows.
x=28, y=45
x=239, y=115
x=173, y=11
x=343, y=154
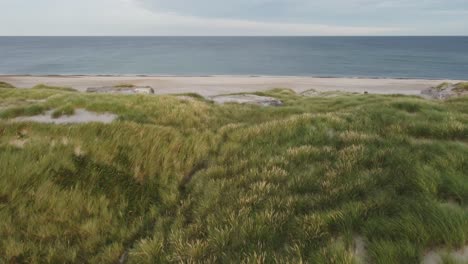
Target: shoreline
x=212, y=85
x=229, y=75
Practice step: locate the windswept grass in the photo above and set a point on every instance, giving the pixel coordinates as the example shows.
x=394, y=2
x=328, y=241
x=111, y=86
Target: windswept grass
x=30, y=110
x=188, y=181
x=124, y=85
x=6, y=85
x=443, y=86
x=67, y=110
x=461, y=87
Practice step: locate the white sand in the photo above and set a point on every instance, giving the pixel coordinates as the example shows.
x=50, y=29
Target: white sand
x=246, y=99
x=435, y=256
x=80, y=116
x=217, y=85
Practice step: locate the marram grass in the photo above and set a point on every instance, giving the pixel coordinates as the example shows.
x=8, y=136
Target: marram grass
x=6, y=85
x=343, y=179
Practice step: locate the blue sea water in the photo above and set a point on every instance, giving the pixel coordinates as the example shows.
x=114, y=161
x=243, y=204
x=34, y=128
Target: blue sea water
x=386, y=57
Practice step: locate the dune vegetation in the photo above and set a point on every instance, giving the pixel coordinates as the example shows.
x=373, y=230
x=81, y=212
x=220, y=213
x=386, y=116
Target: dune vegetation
x=341, y=178
x=461, y=87
x=6, y=85
x=124, y=85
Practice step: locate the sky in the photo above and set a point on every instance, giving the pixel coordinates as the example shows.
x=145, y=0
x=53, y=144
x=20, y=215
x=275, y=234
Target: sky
x=232, y=17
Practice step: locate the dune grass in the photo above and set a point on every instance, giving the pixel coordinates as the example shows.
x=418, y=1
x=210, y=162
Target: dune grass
x=461, y=87
x=6, y=85
x=188, y=181
x=443, y=86
x=67, y=110
x=124, y=85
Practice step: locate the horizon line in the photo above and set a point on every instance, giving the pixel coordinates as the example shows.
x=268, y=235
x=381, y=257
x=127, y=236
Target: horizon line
x=247, y=36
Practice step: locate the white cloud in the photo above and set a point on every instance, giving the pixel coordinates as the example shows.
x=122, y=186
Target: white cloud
x=240, y=17
x=245, y=27
x=125, y=17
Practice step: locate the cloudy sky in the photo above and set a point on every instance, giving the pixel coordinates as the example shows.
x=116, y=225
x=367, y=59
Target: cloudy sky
x=234, y=17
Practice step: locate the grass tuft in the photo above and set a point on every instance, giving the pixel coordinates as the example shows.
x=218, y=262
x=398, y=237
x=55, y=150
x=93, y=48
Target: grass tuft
x=461, y=87
x=67, y=110
x=23, y=111
x=443, y=86
x=6, y=85
x=124, y=85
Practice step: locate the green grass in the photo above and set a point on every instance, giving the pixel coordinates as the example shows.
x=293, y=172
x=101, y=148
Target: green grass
x=124, y=85
x=67, y=110
x=30, y=110
x=188, y=181
x=461, y=87
x=443, y=86
x=6, y=85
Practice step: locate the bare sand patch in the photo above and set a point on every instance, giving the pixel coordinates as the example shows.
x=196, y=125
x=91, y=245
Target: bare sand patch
x=121, y=90
x=360, y=251
x=80, y=116
x=78, y=151
x=247, y=99
x=435, y=256
x=19, y=143
x=36, y=100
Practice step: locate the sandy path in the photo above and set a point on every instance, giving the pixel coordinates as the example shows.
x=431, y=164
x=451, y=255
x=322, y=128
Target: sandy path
x=216, y=85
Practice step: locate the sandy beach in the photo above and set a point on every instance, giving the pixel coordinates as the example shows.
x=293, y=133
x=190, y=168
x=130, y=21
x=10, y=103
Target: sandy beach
x=216, y=85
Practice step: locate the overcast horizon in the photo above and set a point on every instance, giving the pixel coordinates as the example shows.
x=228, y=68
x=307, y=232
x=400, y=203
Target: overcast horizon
x=235, y=18
x=232, y=36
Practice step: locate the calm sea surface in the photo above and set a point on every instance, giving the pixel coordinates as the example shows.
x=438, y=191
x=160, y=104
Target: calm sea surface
x=401, y=57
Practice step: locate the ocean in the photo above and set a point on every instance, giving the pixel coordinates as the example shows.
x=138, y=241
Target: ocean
x=379, y=57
